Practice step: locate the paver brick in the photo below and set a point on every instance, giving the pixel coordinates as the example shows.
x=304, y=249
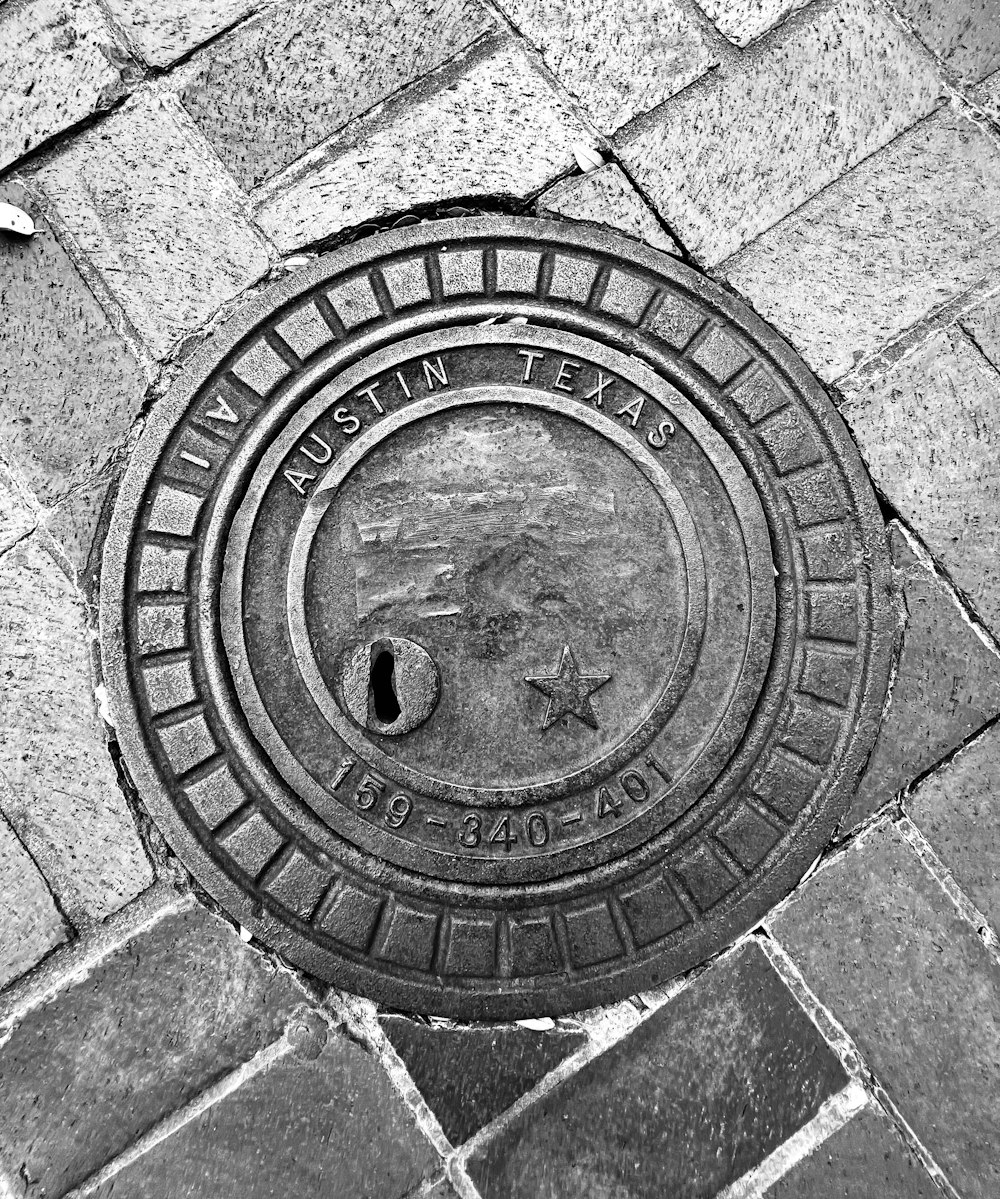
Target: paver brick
x=697, y=1095
x=740, y=149
x=323, y=1127
x=31, y=925
x=955, y=807
x=744, y=20
x=296, y=75
x=927, y=431
x=602, y=53
x=965, y=34
x=17, y=516
x=174, y=1009
x=882, y=946
x=913, y=227
x=987, y=96
x=498, y=129
x=605, y=197
x=947, y=684
x=982, y=325
x=59, y=63
x=469, y=1075
x=863, y=1159
x=57, y=783
x=163, y=30
x=69, y=386
x=157, y=216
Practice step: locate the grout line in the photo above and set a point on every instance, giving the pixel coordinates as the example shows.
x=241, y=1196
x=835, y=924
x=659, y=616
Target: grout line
x=966, y=909
x=837, y=1111
x=91, y=275
x=843, y=1045
x=426, y=87
x=73, y=963
x=177, y=1119
x=361, y=1016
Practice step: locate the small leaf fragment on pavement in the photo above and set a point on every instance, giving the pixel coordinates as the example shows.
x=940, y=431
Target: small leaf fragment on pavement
x=15, y=220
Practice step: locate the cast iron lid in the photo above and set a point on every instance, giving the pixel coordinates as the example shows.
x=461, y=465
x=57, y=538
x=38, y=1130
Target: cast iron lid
x=495, y=616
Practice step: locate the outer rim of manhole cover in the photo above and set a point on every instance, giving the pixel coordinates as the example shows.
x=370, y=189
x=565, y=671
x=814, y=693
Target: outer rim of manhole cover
x=585, y=910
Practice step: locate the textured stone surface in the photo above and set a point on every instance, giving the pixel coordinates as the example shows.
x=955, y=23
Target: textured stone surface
x=157, y=217
x=982, y=324
x=57, y=783
x=740, y=149
x=956, y=807
x=929, y=434
x=17, y=516
x=605, y=197
x=987, y=96
x=947, y=684
x=602, y=53
x=31, y=924
x=324, y=1127
x=914, y=226
x=865, y=1159
x=699, y=1094
x=469, y=1075
x=284, y=82
x=743, y=20
x=964, y=34
x=73, y=523
x=884, y=948
x=150, y=1027
x=902, y=234
x=59, y=62
x=69, y=387
x=163, y=30
x=498, y=129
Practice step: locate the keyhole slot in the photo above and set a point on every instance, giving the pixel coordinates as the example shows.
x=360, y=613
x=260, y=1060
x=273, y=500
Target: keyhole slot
x=383, y=687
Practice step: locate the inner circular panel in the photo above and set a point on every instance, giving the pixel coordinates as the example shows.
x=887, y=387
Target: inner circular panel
x=496, y=536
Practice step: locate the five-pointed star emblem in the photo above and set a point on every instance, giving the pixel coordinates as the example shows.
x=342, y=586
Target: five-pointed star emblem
x=569, y=691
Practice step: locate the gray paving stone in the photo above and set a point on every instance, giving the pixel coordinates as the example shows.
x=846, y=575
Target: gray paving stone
x=499, y=129
x=163, y=30
x=883, y=947
x=929, y=434
x=31, y=925
x=324, y=1127
x=470, y=1074
x=740, y=149
x=865, y=1159
x=956, y=809
x=605, y=197
x=744, y=20
x=947, y=684
x=172, y=1011
x=57, y=784
x=59, y=63
x=602, y=52
x=17, y=516
x=701, y=1092
x=73, y=524
x=158, y=217
x=964, y=34
x=987, y=96
x=982, y=324
x=906, y=231
x=69, y=386
x=285, y=81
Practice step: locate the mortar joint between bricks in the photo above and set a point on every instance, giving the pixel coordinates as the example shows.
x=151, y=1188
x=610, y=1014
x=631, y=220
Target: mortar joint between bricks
x=851, y=1058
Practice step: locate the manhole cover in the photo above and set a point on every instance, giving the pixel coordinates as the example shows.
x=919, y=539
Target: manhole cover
x=496, y=617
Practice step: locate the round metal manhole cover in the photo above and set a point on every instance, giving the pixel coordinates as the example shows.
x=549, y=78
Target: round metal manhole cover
x=496, y=617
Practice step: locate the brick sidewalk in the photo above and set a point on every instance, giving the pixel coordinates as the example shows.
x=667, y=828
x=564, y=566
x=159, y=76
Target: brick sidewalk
x=838, y=166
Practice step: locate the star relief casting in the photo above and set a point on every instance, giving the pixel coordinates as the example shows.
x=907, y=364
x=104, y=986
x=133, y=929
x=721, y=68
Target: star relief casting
x=568, y=691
